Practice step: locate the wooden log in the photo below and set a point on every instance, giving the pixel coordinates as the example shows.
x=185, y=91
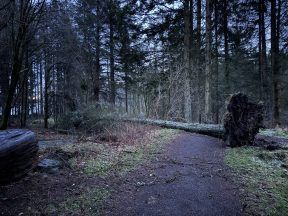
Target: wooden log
x=18, y=154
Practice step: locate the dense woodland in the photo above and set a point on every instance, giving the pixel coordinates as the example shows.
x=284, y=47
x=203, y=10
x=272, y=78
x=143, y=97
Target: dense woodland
x=178, y=60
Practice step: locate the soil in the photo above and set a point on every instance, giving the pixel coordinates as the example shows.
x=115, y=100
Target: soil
x=188, y=178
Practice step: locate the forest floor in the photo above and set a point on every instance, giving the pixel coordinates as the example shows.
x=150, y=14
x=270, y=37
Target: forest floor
x=135, y=169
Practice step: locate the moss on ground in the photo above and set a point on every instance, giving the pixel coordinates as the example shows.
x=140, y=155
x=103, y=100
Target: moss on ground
x=89, y=202
x=264, y=177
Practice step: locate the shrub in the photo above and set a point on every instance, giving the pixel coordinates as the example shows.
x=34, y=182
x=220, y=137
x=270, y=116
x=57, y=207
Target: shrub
x=90, y=118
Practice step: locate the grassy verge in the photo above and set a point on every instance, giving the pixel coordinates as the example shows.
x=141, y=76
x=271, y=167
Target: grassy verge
x=264, y=178
x=101, y=159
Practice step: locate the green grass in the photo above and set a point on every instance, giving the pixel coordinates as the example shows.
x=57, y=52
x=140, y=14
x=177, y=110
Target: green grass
x=98, y=165
x=89, y=202
x=264, y=179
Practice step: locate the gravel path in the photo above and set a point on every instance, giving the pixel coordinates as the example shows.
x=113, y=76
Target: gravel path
x=189, y=178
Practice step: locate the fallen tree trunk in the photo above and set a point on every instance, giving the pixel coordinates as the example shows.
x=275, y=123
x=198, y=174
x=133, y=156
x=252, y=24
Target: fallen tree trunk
x=267, y=142
x=18, y=154
x=214, y=130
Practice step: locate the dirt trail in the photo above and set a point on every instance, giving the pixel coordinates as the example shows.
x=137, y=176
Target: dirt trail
x=189, y=178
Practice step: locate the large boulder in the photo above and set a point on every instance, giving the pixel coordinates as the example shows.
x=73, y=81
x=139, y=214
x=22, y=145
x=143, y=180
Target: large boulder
x=18, y=154
x=242, y=121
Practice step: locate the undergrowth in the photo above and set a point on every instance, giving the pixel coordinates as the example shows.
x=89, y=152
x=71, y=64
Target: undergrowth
x=98, y=155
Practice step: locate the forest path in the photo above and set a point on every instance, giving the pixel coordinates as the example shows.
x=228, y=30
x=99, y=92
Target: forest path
x=188, y=178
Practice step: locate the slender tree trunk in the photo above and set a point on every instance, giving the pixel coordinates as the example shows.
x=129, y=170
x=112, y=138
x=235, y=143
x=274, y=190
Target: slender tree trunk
x=126, y=93
x=41, y=86
x=275, y=62
x=191, y=4
x=261, y=74
x=216, y=112
x=187, y=60
x=26, y=107
x=199, y=17
x=37, y=89
x=208, y=68
x=24, y=95
x=111, y=56
x=126, y=71
x=125, y=56
x=263, y=67
x=22, y=107
x=4, y=77
x=46, y=93
x=226, y=48
x=98, y=45
x=9, y=99
x=198, y=57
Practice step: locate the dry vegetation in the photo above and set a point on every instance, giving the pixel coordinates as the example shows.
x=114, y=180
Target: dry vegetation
x=90, y=165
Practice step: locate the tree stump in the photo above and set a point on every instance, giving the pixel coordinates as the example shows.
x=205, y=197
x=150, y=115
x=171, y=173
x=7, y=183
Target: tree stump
x=18, y=154
x=242, y=121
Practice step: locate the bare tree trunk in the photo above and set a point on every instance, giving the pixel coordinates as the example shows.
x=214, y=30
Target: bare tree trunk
x=46, y=92
x=24, y=97
x=4, y=80
x=261, y=74
x=275, y=61
x=9, y=99
x=187, y=60
x=126, y=93
x=191, y=2
x=208, y=68
x=37, y=90
x=98, y=44
x=263, y=67
x=198, y=51
x=125, y=61
x=26, y=107
x=111, y=56
x=41, y=87
x=126, y=70
x=216, y=106
x=226, y=48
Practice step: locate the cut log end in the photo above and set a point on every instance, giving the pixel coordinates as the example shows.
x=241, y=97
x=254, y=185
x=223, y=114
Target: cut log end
x=18, y=154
